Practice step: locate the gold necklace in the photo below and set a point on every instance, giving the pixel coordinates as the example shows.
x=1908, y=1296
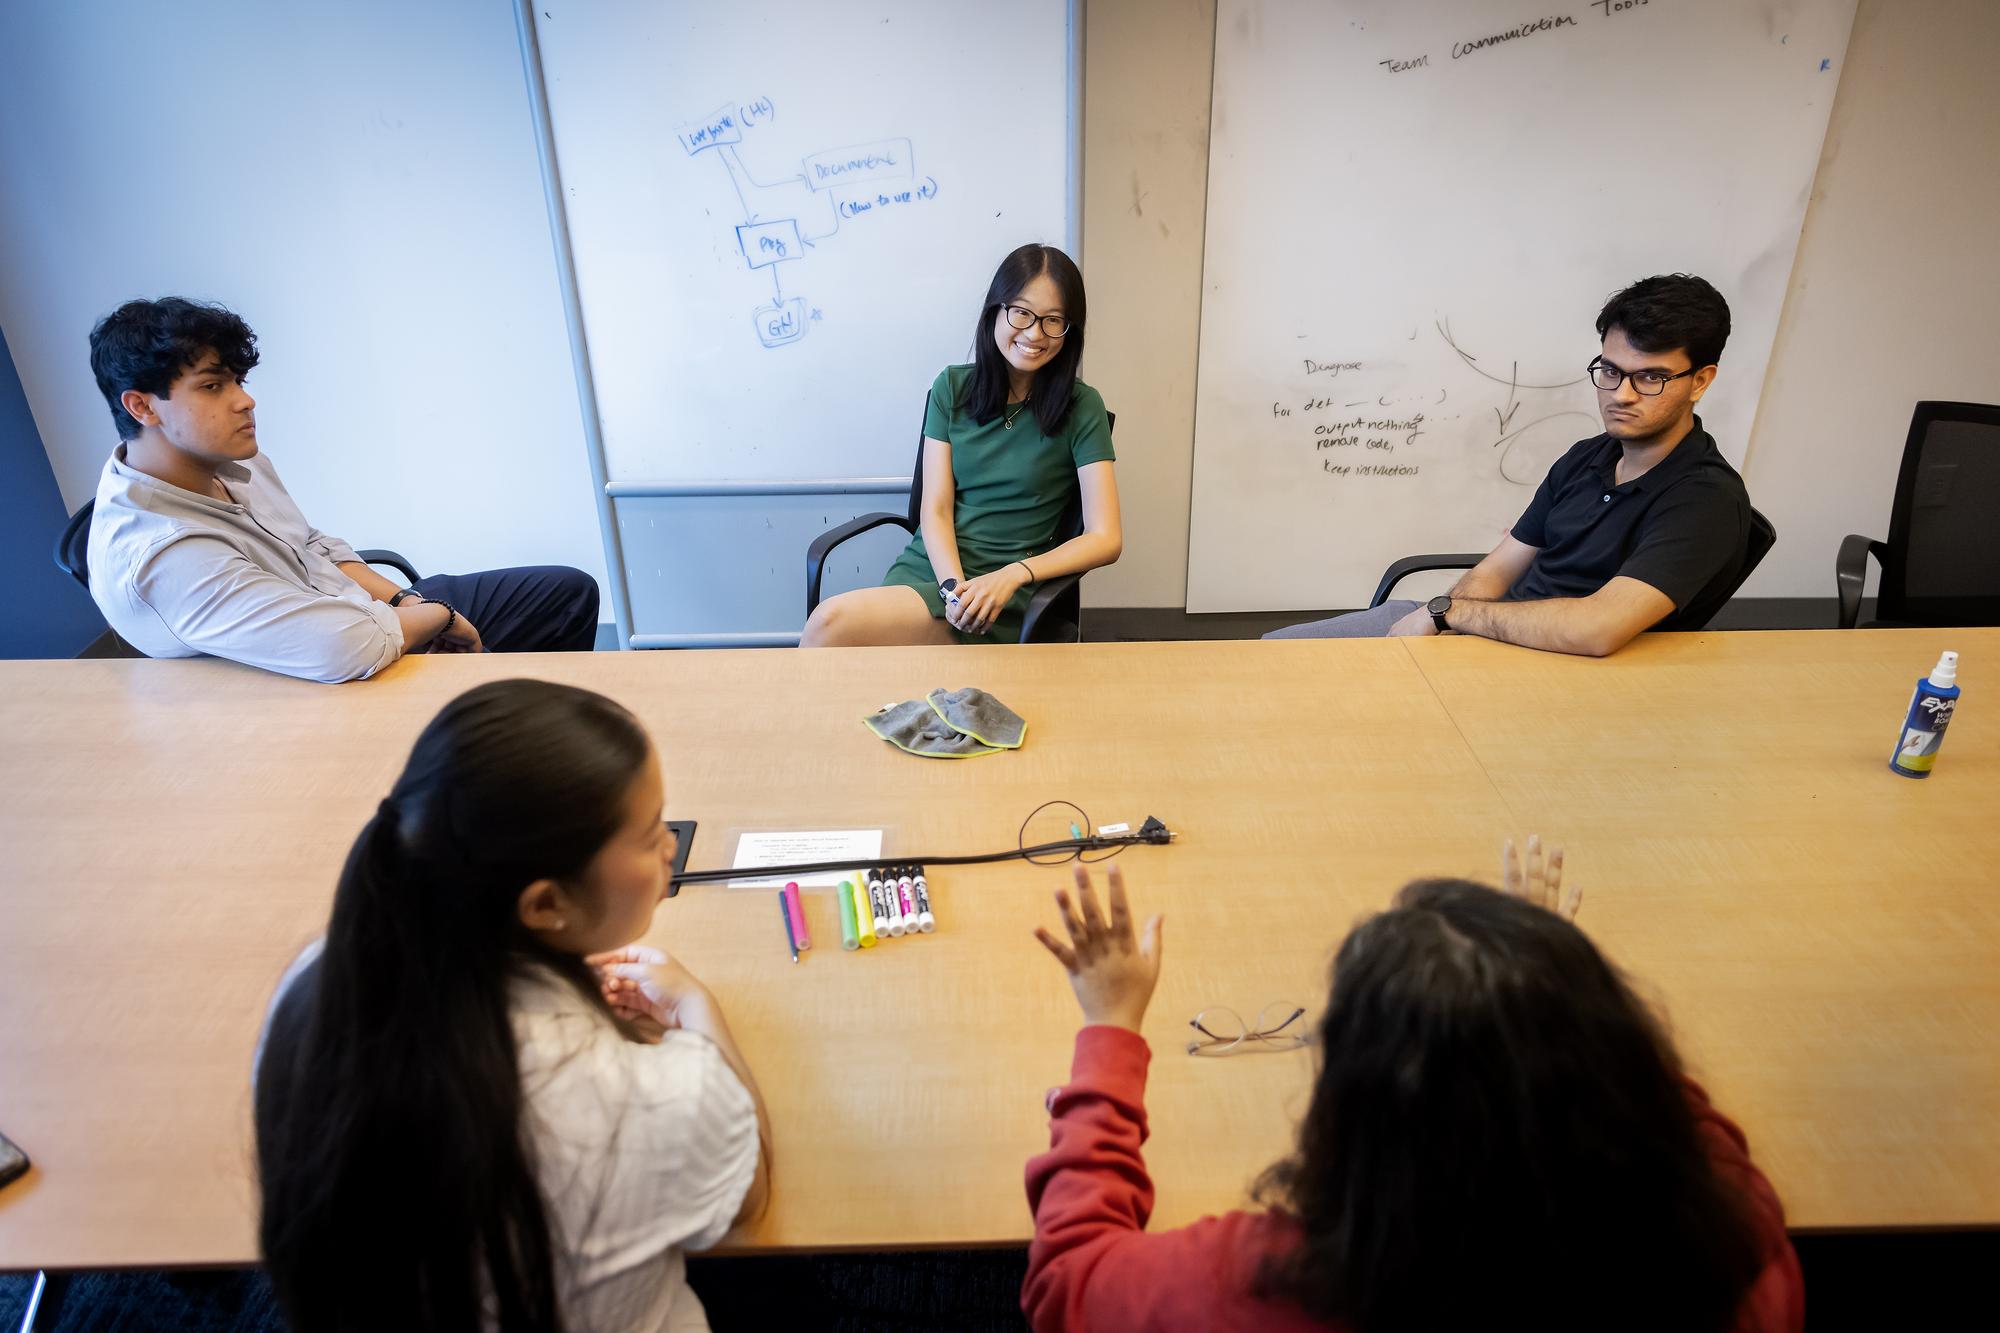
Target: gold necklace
x=1007, y=419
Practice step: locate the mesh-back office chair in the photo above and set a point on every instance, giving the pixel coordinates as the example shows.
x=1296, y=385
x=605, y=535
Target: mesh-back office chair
x=1763, y=536
x=1941, y=564
x=73, y=550
x=1055, y=611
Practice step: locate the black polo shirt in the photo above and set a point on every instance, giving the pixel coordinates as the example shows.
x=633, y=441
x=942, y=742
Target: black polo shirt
x=1679, y=528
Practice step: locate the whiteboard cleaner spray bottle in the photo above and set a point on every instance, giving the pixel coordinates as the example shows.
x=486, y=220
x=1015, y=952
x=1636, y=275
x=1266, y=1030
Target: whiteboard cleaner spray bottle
x=1931, y=708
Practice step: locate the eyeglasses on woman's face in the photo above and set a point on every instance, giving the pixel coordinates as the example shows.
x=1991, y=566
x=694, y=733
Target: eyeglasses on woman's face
x=1055, y=326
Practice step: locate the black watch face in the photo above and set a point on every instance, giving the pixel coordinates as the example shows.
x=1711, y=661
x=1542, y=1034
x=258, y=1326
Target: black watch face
x=1439, y=605
x=948, y=585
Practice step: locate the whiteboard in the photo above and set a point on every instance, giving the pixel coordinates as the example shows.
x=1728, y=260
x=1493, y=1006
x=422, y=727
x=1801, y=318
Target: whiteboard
x=1414, y=215
x=784, y=215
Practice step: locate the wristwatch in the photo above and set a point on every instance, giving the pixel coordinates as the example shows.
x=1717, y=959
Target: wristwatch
x=949, y=589
x=1439, y=607
x=398, y=598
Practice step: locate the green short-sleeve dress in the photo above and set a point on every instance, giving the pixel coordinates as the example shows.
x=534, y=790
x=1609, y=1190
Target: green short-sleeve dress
x=1013, y=484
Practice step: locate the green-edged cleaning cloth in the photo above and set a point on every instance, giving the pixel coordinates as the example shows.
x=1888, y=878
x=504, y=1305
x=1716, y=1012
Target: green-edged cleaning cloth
x=981, y=716
x=915, y=726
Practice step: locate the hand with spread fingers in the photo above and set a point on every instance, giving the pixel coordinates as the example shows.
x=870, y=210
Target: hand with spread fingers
x=1540, y=879
x=1111, y=969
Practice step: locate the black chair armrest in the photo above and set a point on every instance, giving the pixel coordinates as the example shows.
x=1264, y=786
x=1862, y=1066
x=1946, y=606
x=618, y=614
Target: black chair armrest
x=391, y=559
x=1045, y=595
x=1850, y=571
x=1417, y=564
x=822, y=546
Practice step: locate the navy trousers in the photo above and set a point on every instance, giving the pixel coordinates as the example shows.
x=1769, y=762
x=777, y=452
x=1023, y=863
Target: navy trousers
x=533, y=609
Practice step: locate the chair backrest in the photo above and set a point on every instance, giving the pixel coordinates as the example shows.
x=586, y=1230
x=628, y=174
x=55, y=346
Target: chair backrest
x=1698, y=612
x=1943, y=561
x=73, y=546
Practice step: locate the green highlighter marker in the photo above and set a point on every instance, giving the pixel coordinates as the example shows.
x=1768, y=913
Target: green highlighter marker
x=848, y=939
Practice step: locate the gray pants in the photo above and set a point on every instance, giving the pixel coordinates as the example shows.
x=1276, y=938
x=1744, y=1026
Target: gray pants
x=1370, y=624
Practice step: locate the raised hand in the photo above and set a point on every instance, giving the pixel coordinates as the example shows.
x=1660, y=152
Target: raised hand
x=1112, y=971
x=1540, y=879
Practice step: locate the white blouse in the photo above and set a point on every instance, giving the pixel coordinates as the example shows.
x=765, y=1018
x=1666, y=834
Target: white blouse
x=643, y=1153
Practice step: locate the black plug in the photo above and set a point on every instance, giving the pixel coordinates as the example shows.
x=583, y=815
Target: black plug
x=1154, y=831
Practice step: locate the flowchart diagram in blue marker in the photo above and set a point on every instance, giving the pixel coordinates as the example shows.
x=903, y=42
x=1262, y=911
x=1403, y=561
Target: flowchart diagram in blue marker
x=829, y=188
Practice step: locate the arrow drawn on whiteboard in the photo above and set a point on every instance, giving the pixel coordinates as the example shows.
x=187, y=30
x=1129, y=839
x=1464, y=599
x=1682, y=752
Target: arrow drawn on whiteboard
x=1471, y=362
x=1513, y=380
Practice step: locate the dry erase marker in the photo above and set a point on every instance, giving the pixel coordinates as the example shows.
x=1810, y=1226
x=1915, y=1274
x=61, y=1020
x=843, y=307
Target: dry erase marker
x=926, y=922
x=795, y=915
x=891, y=908
x=848, y=938
x=873, y=878
x=864, y=924
x=881, y=899
x=906, y=900
x=873, y=901
x=785, y=915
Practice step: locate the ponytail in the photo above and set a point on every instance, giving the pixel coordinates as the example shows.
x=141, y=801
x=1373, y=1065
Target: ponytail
x=398, y=1181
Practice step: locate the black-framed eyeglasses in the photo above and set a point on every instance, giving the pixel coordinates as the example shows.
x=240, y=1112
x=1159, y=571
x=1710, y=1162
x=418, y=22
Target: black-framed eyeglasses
x=1649, y=382
x=1023, y=318
x=1224, y=1032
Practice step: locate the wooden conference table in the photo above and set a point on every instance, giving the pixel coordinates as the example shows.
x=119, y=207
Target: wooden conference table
x=1824, y=936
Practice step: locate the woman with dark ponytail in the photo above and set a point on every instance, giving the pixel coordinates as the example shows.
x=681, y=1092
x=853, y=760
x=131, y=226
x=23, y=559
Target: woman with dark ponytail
x=478, y=1103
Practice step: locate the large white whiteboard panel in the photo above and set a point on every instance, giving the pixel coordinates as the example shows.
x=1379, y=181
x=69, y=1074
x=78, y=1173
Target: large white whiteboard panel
x=1414, y=214
x=785, y=215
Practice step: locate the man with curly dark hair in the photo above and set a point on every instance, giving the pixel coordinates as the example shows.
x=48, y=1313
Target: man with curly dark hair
x=196, y=547
x=1646, y=526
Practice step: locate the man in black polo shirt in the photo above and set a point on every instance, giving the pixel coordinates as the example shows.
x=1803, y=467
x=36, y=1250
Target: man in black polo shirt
x=1643, y=527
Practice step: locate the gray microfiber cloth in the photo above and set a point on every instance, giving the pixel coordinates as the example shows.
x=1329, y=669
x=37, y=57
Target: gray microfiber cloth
x=980, y=716
x=915, y=726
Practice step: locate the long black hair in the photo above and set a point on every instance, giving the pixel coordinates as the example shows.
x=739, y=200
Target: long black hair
x=398, y=1186
x=985, y=391
x=1499, y=1126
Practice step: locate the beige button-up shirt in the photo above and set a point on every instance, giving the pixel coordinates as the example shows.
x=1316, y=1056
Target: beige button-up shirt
x=179, y=574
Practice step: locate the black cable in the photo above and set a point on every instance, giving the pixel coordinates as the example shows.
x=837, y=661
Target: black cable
x=1152, y=831
x=1082, y=821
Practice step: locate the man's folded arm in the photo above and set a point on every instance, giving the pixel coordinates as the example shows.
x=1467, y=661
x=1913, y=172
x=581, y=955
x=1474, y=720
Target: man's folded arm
x=215, y=601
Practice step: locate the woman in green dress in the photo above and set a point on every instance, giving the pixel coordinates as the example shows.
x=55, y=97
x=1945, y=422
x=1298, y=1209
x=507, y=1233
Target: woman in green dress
x=1009, y=441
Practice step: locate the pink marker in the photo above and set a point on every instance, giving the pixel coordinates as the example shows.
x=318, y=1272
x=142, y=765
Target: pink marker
x=905, y=890
x=796, y=911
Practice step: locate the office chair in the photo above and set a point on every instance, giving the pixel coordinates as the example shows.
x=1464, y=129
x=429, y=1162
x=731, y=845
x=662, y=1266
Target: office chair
x=1941, y=564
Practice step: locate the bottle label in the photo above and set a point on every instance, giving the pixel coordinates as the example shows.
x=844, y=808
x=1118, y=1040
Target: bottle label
x=1924, y=733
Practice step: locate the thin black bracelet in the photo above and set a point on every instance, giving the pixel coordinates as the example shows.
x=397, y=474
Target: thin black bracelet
x=450, y=617
x=1031, y=571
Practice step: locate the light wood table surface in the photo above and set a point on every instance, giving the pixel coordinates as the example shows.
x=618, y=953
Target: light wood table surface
x=1823, y=934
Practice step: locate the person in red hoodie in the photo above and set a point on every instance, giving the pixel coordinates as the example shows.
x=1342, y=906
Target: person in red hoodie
x=1500, y=1136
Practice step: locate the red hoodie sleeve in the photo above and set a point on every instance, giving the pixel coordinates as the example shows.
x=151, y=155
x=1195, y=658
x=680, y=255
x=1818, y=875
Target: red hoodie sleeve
x=1092, y=1265
x=1776, y=1302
